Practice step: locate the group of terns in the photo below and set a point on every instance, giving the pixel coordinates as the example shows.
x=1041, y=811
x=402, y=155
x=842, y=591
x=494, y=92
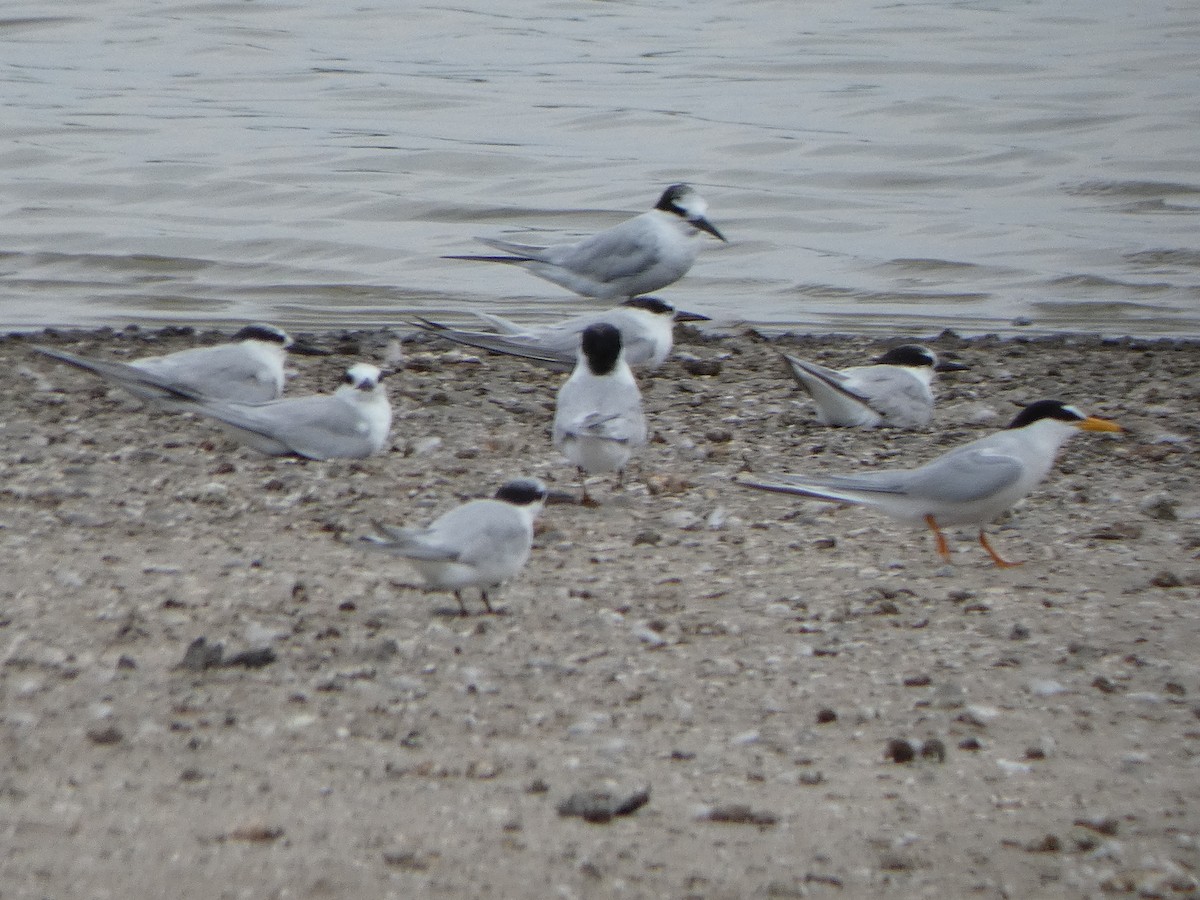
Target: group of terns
x=599, y=421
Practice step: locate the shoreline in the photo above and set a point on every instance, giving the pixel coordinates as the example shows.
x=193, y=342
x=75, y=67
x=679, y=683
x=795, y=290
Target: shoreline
x=755, y=661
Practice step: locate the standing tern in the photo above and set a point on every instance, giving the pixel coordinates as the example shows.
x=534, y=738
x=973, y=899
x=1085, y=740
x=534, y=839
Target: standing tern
x=639, y=256
x=598, y=419
x=248, y=369
x=970, y=485
x=482, y=543
x=894, y=391
x=352, y=423
x=646, y=325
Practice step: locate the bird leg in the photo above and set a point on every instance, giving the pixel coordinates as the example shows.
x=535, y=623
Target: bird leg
x=943, y=548
x=462, y=606
x=586, y=499
x=996, y=558
x=484, y=597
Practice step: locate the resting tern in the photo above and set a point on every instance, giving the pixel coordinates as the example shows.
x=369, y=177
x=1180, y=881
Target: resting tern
x=352, y=423
x=598, y=419
x=894, y=391
x=480, y=544
x=646, y=325
x=248, y=369
x=970, y=485
x=637, y=257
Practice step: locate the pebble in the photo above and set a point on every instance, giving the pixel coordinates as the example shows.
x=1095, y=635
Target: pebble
x=600, y=806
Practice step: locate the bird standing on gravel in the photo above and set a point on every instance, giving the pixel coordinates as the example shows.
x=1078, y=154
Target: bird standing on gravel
x=969, y=485
x=482, y=543
x=598, y=419
x=639, y=256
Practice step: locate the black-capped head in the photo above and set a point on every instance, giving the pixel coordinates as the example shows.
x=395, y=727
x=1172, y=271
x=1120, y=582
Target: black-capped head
x=651, y=305
x=522, y=492
x=600, y=345
x=1062, y=412
x=684, y=202
x=912, y=355
x=268, y=334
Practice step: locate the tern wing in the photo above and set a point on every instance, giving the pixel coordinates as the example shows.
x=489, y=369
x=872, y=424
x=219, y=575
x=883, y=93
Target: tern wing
x=141, y=382
x=899, y=396
x=619, y=252
x=413, y=543
x=317, y=427
x=555, y=353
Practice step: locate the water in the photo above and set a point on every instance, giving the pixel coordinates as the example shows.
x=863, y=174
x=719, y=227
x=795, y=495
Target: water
x=877, y=166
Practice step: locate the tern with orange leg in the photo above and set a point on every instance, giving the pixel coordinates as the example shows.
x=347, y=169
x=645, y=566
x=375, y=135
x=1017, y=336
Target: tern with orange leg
x=970, y=485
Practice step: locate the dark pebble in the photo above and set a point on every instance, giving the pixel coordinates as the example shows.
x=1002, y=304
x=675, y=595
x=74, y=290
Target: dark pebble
x=739, y=814
x=105, y=736
x=934, y=749
x=599, y=807
x=252, y=659
x=900, y=751
x=202, y=655
x=825, y=716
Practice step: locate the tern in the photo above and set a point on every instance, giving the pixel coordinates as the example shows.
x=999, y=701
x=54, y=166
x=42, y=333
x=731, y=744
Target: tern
x=969, y=485
x=895, y=391
x=248, y=369
x=598, y=418
x=351, y=423
x=646, y=325
x=482, y=543
x=638, y=256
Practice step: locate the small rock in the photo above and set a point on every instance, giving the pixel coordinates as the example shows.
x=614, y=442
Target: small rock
x=1048, y=844
x=201, y=655
x=934, y=749
x=825, y=716
x=105, y=736
x=738, y=814
x=252, y=659
x=1166, y=579
x=899, y=750
x=600, y=807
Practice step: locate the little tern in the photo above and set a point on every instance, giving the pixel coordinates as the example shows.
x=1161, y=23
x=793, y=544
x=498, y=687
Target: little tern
x=969, y=485
x=636, y=257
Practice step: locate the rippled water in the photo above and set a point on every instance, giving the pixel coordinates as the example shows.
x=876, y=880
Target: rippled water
x=877, y=166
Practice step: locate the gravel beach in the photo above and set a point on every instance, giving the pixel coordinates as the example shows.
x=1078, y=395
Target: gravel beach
x=696, y=690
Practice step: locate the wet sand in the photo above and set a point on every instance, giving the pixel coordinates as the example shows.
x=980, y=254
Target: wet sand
x=763, y=666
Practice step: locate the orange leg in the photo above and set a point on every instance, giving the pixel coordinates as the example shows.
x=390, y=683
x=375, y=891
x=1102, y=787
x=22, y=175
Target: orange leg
x=943, y=548
x=996, y=558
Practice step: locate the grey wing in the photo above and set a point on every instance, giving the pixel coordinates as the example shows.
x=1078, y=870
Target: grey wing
x=479, y=532
x=226, y=372
x=900, y=397
x=320, y=427
x=525, y=345
x=413, y=543
x=619, y=252
x=802, y=369
x=966, y=475
x=143, y=383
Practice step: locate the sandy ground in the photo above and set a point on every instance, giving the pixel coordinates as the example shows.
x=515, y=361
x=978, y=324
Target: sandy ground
x=763, y=666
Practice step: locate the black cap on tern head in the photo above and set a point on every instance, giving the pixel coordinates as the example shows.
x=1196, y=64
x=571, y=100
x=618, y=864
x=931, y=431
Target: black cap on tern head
x=909, y=355
x=684, y=202
x=601, y=347
x=522, y=492
x=266, y=333
x=1046, y=409
x=651, y=305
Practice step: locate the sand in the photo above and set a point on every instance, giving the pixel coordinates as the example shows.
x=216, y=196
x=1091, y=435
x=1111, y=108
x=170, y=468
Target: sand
x=781, y=698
